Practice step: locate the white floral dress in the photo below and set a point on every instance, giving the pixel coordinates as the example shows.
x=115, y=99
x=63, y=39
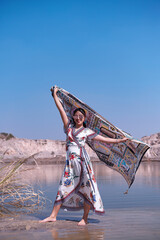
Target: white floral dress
x=78, y=182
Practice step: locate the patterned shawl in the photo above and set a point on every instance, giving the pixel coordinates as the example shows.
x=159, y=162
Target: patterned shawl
x=126, y=157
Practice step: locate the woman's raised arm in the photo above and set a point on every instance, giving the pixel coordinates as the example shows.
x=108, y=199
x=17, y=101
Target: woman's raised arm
x=59, y=106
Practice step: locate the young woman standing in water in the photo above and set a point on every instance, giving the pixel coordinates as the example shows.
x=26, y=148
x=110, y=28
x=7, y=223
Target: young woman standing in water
x=78, y=188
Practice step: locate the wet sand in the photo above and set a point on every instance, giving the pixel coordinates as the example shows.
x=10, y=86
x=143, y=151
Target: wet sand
x=115, y=224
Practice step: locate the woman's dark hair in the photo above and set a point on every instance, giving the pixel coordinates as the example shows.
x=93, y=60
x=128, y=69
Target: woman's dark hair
x=83, y=112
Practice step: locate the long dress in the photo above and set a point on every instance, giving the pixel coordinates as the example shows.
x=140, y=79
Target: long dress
x=78, y=182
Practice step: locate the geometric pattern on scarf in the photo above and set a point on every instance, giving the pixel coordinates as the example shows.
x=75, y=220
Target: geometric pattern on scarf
x=124, y=158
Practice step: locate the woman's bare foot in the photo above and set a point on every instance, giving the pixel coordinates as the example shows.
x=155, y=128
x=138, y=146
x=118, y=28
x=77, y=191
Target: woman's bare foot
x=82, y=223
x=48, y=219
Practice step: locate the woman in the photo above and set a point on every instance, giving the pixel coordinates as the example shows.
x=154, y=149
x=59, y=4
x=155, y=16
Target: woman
x=78, y=188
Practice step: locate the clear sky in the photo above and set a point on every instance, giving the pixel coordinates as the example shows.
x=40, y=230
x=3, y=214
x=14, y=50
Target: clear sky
x=107, y=53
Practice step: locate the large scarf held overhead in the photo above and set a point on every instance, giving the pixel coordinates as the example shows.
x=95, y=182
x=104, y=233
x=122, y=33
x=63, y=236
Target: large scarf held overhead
x=125, y=158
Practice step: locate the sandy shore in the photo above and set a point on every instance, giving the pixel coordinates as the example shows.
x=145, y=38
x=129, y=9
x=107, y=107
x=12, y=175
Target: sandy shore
x=115, y=224
x=24, y=223
x=29, y=228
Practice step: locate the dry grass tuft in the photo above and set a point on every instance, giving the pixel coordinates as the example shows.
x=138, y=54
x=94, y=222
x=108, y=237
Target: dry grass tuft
x=15, y=196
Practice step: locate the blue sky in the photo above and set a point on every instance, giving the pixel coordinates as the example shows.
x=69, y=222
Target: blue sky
x=107, y=53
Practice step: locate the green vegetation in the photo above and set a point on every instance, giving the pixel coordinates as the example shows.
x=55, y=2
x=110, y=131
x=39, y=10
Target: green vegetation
x=6, y=136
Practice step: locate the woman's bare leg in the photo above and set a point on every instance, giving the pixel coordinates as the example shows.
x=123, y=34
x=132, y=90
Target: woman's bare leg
x=52, y=217
x=85, y=215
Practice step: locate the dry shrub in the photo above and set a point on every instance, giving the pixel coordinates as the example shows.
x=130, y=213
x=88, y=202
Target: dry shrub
x=16, y=196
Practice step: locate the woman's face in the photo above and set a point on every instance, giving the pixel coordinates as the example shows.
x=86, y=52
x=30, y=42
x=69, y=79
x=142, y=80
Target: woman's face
x=78, y=118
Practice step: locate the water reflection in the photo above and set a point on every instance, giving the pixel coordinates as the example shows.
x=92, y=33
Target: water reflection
x=132, y=216
x=148, y=173
x=77, y=234
x=144, y=193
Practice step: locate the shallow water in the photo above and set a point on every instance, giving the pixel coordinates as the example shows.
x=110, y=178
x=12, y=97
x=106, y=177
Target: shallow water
x=132, y=216
x=144, y=193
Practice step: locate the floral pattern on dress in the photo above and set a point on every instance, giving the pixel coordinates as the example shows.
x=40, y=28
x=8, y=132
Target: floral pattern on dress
x=78, y=183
